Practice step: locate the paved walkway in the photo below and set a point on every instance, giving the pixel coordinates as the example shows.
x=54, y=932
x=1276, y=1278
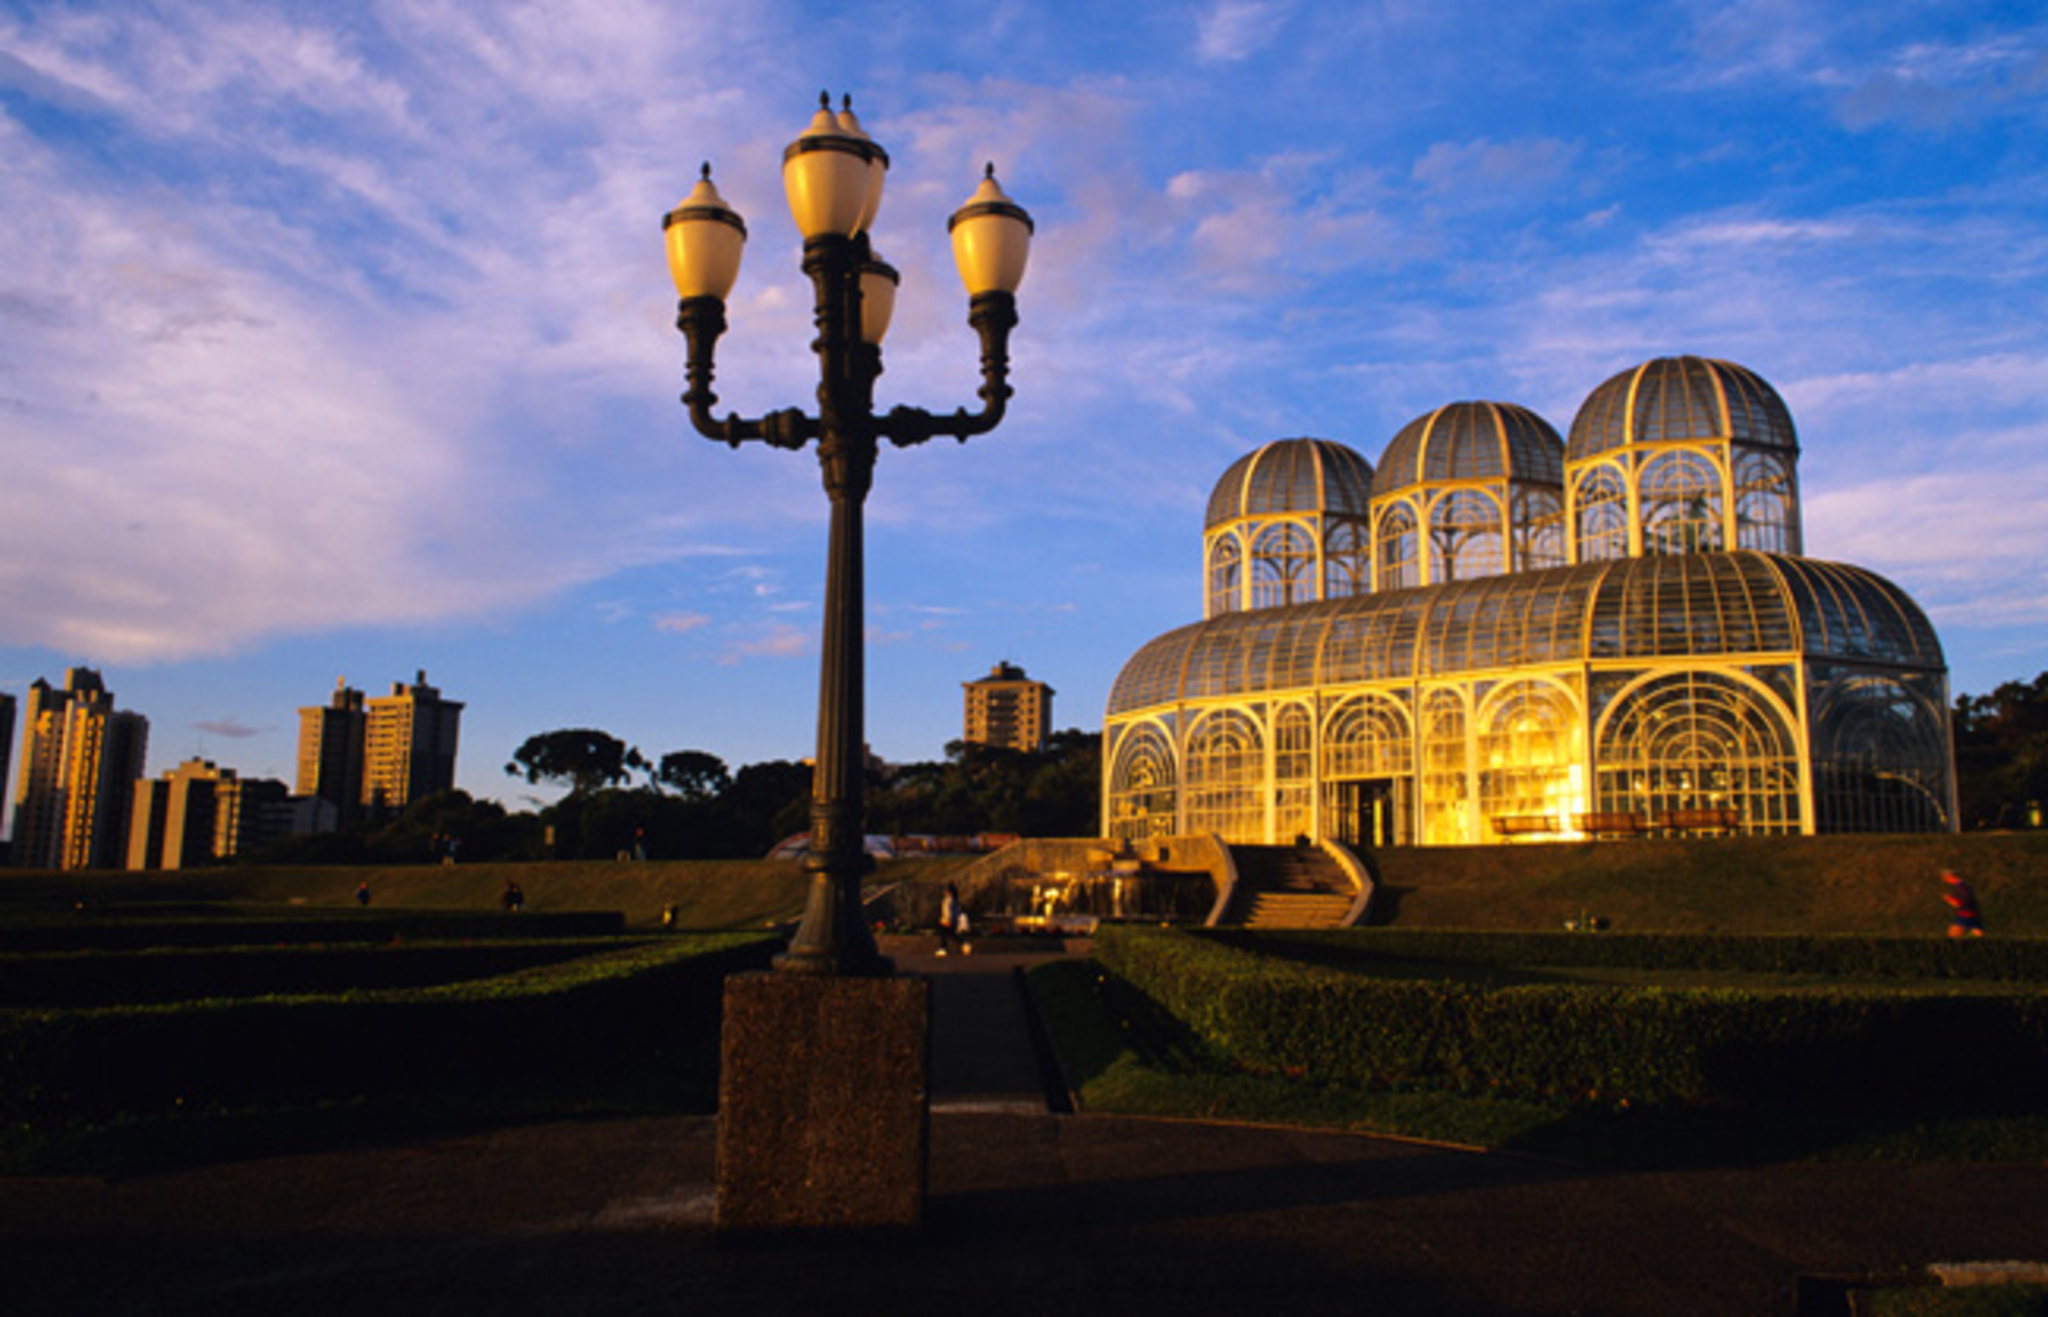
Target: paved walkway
x=1029, y=1213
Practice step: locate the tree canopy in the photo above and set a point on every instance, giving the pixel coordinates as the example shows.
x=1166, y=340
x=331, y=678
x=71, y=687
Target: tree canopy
x=583, y=757
x=693, y=774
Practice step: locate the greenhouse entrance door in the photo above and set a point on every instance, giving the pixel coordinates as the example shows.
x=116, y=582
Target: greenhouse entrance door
x=1364, y=812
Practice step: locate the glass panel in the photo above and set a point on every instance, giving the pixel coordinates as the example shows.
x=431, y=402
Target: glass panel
x=1399, y=565
x=1766, y=502
x=1602, y=507
x=1283, y=566
x=1538, y=528
x=1226, y=576
x=1367, y=736
x=1141, y=786
x=1531, y=757
x=1447, y=818
x=1680, y=498
x=1467, y=532
x=1225, y=777
x=1347, y=558
x=1880, y=754
x=1293, y=773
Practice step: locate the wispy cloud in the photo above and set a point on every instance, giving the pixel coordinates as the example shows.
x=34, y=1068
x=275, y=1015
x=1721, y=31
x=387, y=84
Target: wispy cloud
x=230, y=727
x=1231, y=30
x=774, y=640
x=1490, y=173
x=681, y=623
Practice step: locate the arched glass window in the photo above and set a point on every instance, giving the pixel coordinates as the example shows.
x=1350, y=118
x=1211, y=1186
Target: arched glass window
x=1531, y=751
x=1601, y=501
x=1880, y=757
x=1766, y=504
x=1399, y=552
x=1693, y=741
x=1226, y=576
x=1368, y=772
x=1680, y=497
x=1294, y=760
x=1283, y=566
x=1367, y=736
x=1465, y=539
x=1347, y=559
x=1447, y=818
x=1225, y=777
x=1141, y=786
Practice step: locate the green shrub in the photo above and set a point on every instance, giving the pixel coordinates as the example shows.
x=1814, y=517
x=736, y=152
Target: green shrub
x=559, y=1023
x=103, y=978
x=1996, y=959
x=1852, y=1045
x=119, y=930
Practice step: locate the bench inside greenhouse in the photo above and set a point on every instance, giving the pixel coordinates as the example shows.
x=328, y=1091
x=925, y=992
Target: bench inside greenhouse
x=1700, y=820
x=1613, y=823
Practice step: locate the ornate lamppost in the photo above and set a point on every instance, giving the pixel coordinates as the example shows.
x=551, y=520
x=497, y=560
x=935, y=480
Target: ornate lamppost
x=833, y=175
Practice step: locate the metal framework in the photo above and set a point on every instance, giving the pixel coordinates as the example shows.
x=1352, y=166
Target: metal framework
x=1479, y=692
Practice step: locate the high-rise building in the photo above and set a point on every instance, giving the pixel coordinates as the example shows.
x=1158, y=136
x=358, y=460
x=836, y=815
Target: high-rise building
x=331, y=739
x=198, y=813
x=6, y=750
x=409, y=744
x=1008, y=709
x=80, y=761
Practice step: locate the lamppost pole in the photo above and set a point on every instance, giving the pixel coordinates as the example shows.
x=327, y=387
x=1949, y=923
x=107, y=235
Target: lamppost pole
x=833, y=174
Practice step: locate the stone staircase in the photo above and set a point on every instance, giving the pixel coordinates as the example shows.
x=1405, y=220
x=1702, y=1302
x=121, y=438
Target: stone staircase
x=1288, y=887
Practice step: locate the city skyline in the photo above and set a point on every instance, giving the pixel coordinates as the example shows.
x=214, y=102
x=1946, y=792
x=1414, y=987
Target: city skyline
x=342, y=344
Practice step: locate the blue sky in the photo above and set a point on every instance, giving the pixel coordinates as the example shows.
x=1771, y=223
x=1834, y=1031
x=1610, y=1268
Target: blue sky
x=335, y=339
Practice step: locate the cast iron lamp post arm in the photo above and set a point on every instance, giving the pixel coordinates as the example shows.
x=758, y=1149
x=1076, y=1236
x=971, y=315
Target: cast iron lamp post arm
x=993, y=316
x=702, y=320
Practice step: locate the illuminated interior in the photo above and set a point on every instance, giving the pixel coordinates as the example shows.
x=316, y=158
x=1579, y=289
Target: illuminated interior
x=1498, y=638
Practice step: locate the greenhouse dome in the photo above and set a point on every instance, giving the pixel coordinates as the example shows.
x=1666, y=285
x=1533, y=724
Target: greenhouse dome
x=1288, y=523
x=1676, y=669
x=1470, y=489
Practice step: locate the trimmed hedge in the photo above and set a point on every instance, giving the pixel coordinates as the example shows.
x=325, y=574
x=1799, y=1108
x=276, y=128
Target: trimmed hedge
x=128, y=930
x=165, y=974
x=2010, y=960
x=1863, y=1046
x=565, y=1023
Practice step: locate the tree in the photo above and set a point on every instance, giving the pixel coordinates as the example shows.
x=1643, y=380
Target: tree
x=583, y=757
x=2002, y=753
x=1052, y=792
x=694, y=774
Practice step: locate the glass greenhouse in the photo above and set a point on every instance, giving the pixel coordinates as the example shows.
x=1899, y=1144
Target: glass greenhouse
x=1502, y=637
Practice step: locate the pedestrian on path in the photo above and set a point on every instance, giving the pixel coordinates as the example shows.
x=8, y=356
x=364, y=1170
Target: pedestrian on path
x=952, y=920
x=1962, y=903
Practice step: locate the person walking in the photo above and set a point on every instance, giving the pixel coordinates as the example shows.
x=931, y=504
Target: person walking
x=1962, y=903
x=951, y=916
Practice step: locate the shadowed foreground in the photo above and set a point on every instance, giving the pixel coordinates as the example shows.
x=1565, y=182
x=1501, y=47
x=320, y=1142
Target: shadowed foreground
x=1028, y=1214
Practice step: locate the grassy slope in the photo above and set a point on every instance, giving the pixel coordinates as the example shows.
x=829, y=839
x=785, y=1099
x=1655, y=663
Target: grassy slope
x=1868, y=885
x=707, y=893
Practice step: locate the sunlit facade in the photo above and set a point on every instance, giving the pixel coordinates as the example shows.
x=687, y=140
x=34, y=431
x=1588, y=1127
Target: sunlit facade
x=1500, y=637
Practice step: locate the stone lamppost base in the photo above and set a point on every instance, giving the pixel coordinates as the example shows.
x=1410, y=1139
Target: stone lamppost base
x=822, y=1105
